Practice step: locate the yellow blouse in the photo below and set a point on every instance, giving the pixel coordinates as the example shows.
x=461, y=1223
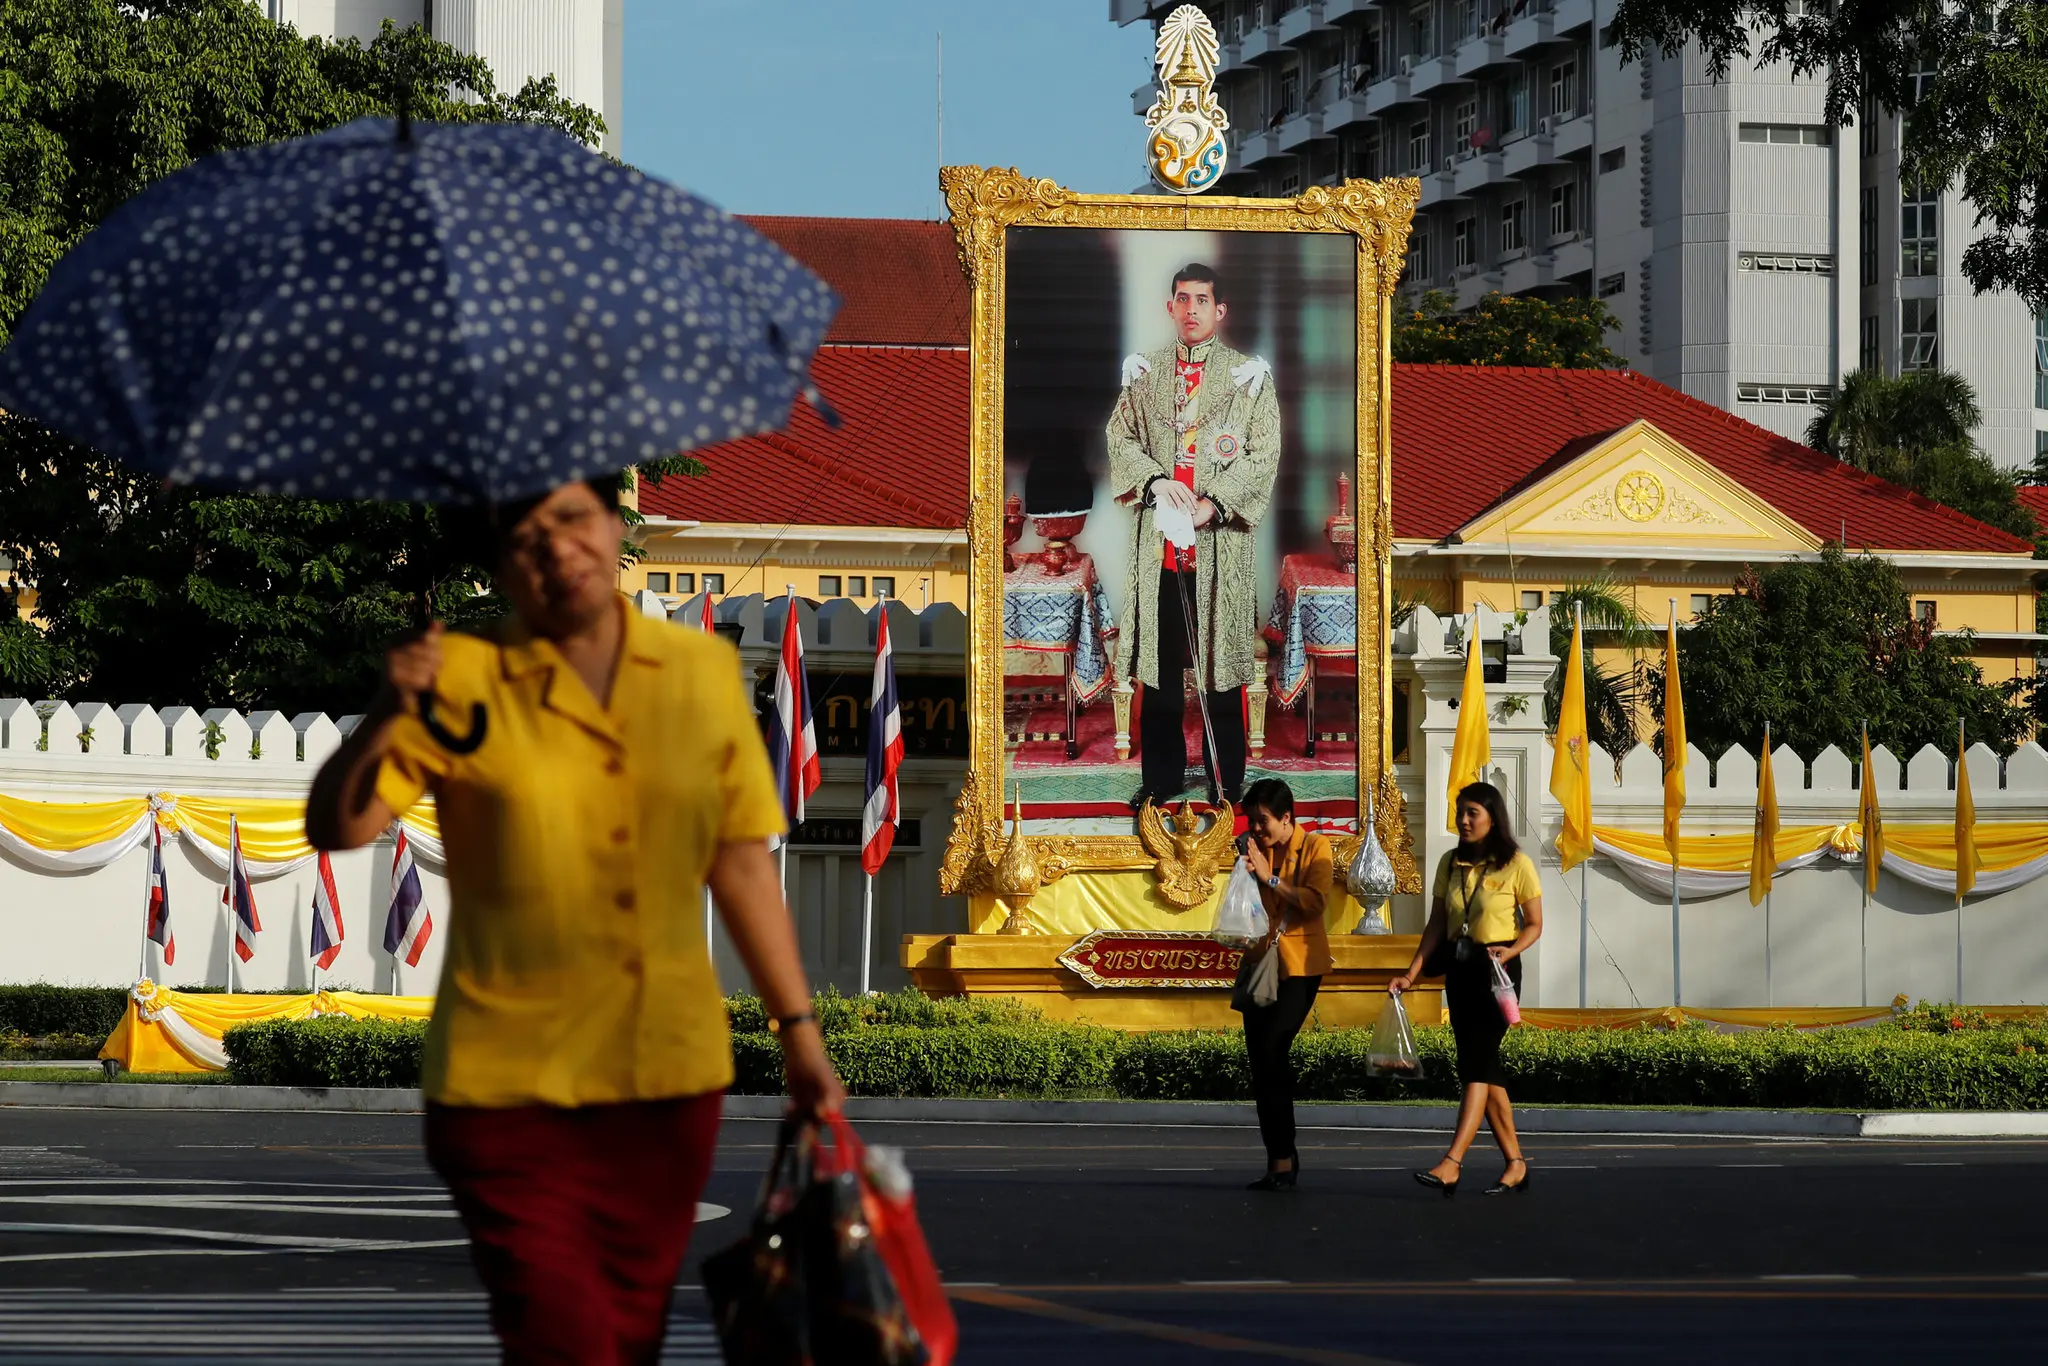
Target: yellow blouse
x=579, y=838
x=1487, y=897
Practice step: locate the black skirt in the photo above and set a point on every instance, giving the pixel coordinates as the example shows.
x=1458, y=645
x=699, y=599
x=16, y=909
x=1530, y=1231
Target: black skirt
x=1477, y=1026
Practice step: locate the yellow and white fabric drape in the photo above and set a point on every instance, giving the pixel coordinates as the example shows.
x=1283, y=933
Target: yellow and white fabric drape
x=181, y=1031
x=2011, y=854
x=77, y=837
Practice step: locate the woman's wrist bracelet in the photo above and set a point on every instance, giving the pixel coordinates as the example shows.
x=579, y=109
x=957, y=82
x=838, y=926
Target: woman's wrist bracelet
x=778, y=1023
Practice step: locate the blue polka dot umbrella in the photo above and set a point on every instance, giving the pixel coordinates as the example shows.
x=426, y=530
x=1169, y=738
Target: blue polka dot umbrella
x=447, y=313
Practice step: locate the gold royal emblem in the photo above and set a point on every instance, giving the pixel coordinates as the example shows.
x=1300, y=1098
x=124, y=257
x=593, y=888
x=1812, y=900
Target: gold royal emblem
x=1184, y=140
x=1639, y=496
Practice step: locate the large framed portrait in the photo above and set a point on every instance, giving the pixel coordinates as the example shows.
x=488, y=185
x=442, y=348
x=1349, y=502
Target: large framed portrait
x=1179, y=523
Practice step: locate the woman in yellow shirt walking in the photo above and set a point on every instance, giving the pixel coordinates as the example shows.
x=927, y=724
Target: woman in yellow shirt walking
x=578, y=1052
x=1486, y=908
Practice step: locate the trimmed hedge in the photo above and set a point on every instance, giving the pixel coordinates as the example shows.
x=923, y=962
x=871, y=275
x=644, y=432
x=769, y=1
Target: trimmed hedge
x=906, y=1045
x=331, y=1050
x=40, y=1009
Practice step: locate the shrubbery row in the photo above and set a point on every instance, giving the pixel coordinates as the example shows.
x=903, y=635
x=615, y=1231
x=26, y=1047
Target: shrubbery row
x=906, y=1045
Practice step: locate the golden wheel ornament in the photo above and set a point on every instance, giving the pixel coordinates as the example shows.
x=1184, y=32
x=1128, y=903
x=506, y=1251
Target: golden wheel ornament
x=1639, y=496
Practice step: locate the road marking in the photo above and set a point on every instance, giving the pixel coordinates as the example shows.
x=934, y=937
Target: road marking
x=1809, y=1276
x=1749, y=1166
x=982, y=1171
x=1183, y=1169
x=1166, y=1332
x=1238, y=1282
x=1521, y=1280
x=205, y=1147
x=1930, y=1164
x=971, y=1285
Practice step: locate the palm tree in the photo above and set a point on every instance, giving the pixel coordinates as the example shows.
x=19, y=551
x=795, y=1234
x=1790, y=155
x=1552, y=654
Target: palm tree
x=1615, y=699
x=1882, y=425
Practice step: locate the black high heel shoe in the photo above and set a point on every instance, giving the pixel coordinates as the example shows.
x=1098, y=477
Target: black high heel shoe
x=1278, y=1180
x=1501, y=1187
x=1437, y=1183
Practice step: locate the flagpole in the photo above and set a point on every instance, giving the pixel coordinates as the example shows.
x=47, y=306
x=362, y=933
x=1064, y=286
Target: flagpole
x=1585, y=909
x=1863, y=916
x=1677, y=993
x=148, y=894
x=867, y=927
x=227, y=901
x=782, y=849
x=1962, y=776
x=1769, y=997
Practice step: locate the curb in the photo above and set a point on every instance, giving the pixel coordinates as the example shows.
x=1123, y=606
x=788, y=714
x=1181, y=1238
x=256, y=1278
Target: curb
x=1532, y=1119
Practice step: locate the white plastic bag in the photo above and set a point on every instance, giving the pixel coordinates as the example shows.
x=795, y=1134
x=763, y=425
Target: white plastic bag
x=1370, y=879
x=1504, y=993
x=1392, y=1052
x=1241, y=918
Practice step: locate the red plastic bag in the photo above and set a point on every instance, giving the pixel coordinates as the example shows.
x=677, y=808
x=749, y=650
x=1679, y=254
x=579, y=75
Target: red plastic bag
x=891, y=1215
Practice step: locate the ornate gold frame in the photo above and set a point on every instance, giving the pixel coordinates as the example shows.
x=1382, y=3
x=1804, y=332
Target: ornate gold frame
x=985, y=203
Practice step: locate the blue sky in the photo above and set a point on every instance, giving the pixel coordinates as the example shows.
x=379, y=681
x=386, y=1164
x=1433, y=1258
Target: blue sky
x=817, y=107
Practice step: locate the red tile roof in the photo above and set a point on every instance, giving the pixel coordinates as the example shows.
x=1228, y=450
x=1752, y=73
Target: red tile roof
x=2034, y=498
x=899, y=279
x=899, y=457
x=1465, y=436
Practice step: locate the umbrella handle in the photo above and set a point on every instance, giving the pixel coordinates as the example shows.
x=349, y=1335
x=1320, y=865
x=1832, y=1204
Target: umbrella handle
x=479, y=726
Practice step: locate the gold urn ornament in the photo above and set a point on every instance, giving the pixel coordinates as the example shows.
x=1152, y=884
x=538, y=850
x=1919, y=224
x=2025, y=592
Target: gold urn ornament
x=1015, y=880
x=1184, y=146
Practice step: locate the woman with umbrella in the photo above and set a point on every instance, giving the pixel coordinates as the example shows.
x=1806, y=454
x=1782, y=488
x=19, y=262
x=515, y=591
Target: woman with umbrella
x=490, y=315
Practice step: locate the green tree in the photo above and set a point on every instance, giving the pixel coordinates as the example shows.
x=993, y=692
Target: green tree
x=1503, y=329
x=166, y=596
x=1915, y=430
x=1971, y=76
x=1817, y=648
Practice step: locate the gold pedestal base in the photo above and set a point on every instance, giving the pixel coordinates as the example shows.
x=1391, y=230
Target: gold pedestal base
x=1028, y=969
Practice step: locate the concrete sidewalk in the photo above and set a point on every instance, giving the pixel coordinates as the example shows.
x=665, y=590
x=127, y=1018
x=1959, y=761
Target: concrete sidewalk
x=1534, y=1119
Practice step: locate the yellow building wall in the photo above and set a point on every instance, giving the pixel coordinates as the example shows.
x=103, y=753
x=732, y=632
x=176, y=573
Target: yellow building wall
x=772, y=578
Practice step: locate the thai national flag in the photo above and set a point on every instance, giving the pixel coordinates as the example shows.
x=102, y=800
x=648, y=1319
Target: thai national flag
x=409, y=926
x=792, y=740
x=327, y=930
x=159, y=916
x=885, y=755
x=240, y=896
x=710, y=623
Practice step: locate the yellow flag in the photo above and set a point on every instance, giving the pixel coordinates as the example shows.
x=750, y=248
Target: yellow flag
x=1472, y=749
x=1568, y=762
x=1763, y=846
x=1871, y=820
x=1968, y=863
x=1674, y=737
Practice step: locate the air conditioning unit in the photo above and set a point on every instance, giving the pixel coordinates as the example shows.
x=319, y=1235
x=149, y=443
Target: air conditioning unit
x=1464, y=273
x=1407, y=65
x=1544, y=125
x=1237, y=27
x=1450, y=164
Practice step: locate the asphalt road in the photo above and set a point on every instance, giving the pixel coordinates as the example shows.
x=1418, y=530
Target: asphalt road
x=295, y=1237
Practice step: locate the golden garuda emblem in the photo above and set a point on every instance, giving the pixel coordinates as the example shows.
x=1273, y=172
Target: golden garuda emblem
x=1187, y=859
x=1184, y=127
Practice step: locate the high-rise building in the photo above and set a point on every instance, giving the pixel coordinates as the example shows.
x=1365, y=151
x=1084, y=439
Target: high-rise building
x=1753, y=253
x=581, y=43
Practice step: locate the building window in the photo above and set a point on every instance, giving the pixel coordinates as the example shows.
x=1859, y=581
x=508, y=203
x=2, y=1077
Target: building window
x=828, y=585
x=1785, y=262
x=1868, y=232
x=1564, y=210
x=1516, y=105
x=1606, y=36
x=1514, y=226
x=1418, y=256
x=1418, y=145
x=1868, y=356
x=1919, y=229
x=2040, y=447
x=714, y=584
x=1532, y=598
x=1465, y=242
x=657, y=583
x=1564, y=89
x=1869, y=121
x=1290, y=184
x=1783, y=393
x=1421, y=32
x=1701, y=602
x=686, y=583
x=1365, y=157
x=2041, y=360
x=885, y=587
x=1464, y=19
x=1464, y=122
x=1611, y=285
x=857, y=586
x=1289, y=103
x=1923, y=610
x=1613, y=159
x=1919, y=341
x=1923, y=81
x=1788, y=134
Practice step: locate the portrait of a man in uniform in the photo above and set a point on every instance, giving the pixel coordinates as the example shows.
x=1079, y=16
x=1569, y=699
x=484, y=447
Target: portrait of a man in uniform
x=1194, y=439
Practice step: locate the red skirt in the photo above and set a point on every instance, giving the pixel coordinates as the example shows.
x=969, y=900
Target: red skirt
x=578, y=1218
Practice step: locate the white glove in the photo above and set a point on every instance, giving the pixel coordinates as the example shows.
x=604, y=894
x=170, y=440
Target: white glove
x=1136, y=367
x=1251, y=376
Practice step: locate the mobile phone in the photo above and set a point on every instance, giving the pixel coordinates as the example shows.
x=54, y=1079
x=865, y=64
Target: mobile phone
x=1244, y=844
